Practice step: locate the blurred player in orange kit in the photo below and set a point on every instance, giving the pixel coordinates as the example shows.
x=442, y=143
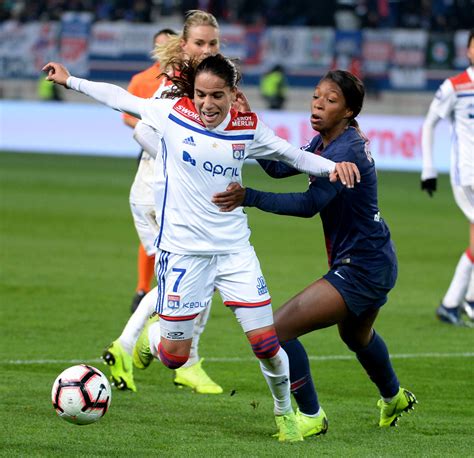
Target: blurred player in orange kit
x=145, y=84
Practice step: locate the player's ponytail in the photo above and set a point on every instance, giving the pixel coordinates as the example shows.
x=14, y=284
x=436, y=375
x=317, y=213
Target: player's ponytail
x=355, y=124
x=181, y=73
x=165, y=52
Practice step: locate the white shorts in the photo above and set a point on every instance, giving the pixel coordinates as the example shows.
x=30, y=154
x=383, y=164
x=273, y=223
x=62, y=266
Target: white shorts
x=464, y=197
x=186, y=285
x=144, y=218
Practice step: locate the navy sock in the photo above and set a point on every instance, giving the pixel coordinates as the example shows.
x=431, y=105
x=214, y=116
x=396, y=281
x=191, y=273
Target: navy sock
x=302, y=386
x=376, y=361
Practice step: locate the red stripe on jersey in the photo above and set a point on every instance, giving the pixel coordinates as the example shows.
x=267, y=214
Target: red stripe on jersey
x=179, y=318
x=242, y=121
x=247, y=304
x=470, y=255
x=462, y=82
x=185, y=107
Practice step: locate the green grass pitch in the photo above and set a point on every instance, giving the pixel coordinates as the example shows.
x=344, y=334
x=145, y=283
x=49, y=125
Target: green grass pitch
x=67, y=260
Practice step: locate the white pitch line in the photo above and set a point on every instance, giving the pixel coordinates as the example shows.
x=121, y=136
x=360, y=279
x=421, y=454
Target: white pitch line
x=26, y=362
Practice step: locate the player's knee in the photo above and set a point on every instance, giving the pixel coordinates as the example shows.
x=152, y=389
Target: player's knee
x=353, y=346
x=265, y=345
x=170, y=360
x=358, y=341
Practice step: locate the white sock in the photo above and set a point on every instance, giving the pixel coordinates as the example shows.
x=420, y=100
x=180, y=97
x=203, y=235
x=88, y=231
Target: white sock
x=314, y=415
x=276, y=371
x=199, y=325
x=154, y=337
x=137, y=321
x=470, y=289
x=459, y=284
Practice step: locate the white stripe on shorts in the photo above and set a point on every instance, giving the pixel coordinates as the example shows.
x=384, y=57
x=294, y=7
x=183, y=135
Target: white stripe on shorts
x=160, y=278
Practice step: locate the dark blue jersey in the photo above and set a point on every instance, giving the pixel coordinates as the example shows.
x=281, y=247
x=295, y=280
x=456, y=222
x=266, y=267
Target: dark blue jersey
x=354, y=230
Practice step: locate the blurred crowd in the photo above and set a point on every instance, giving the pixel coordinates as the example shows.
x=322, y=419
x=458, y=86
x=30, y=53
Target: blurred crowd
x=438, y=15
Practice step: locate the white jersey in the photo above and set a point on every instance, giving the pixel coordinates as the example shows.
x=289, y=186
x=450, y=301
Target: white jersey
x=199, y=162
x=141, y=191
x=144, y=183
x=454, y=101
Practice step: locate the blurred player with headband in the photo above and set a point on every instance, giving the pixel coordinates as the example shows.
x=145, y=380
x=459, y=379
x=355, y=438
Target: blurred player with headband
x=145, y=84
x=454, y=101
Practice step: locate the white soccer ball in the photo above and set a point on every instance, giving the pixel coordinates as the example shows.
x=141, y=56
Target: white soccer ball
x=81, y=394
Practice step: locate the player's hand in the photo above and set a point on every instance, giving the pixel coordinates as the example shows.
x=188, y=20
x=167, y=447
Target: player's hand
x=429, y=185
x=241, y=102
x=347, y=173
x=231, y=198
x=57, y=73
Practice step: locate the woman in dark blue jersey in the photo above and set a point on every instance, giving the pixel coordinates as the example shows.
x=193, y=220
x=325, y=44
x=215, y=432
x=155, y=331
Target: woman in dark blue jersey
x=361, y=255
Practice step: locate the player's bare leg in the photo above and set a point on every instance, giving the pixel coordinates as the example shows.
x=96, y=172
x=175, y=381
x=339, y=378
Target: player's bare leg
x=172, y=353
x=318, y=306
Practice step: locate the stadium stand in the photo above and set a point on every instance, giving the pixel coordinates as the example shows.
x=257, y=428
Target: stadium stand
x=439, y=15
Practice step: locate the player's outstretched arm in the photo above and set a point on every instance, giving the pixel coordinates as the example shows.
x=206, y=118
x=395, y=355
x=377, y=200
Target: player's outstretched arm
x=57, y=73
x=301, y=204
x=109, y=94
x=268, y=146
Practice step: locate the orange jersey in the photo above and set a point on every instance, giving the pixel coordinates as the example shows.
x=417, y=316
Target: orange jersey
x=145, y=84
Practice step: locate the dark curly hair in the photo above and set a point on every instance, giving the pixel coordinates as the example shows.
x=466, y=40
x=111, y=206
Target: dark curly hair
x=185, y=72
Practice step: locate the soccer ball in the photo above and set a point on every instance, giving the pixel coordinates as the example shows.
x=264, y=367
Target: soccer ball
x=81, y=394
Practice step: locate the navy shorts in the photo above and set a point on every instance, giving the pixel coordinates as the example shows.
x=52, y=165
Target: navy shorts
x=362, y=289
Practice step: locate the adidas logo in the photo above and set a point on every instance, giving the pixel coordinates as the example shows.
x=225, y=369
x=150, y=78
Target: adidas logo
x=189, y=141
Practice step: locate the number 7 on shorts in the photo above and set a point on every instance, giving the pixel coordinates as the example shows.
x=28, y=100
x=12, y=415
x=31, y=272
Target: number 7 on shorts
x=181, y=273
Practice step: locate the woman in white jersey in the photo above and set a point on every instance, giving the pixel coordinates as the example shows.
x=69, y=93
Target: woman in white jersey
x=199, y=38
x=204, y=144
x=454, y=101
